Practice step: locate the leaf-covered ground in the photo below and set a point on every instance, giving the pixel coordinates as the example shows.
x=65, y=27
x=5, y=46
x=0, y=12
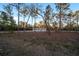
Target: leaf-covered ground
x=39, y=44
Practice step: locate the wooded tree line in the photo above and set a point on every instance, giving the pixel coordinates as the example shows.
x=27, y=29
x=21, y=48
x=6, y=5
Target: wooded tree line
x=63, y=19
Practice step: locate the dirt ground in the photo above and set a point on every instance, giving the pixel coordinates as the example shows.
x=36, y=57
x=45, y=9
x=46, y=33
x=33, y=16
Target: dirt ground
x=39, y=44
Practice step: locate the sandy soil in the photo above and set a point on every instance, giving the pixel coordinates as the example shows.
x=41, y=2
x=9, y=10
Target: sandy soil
x=39, y=44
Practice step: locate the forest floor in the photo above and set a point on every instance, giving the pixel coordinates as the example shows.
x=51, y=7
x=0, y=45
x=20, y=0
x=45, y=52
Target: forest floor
x=39, y=44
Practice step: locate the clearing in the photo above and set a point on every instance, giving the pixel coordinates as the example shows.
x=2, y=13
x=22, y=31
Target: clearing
x=39, y=44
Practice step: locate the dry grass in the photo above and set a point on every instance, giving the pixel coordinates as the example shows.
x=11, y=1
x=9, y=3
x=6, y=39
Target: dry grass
x=39, y=43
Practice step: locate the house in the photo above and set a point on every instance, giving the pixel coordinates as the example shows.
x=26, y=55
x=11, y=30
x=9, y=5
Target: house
x=39, y=29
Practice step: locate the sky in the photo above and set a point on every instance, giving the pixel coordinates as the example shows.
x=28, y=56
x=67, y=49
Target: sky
x=73, y=7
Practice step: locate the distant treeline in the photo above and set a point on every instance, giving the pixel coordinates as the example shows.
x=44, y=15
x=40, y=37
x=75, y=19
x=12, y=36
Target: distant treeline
x=63, y=19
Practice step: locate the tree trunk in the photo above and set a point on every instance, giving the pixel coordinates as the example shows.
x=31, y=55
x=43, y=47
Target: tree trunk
x=18, y=16
x=24, y=24
x=77, y=22
x=28, y=19
x=33, y=23
x=49, y=30
x=60, y=21
x=70, y=23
